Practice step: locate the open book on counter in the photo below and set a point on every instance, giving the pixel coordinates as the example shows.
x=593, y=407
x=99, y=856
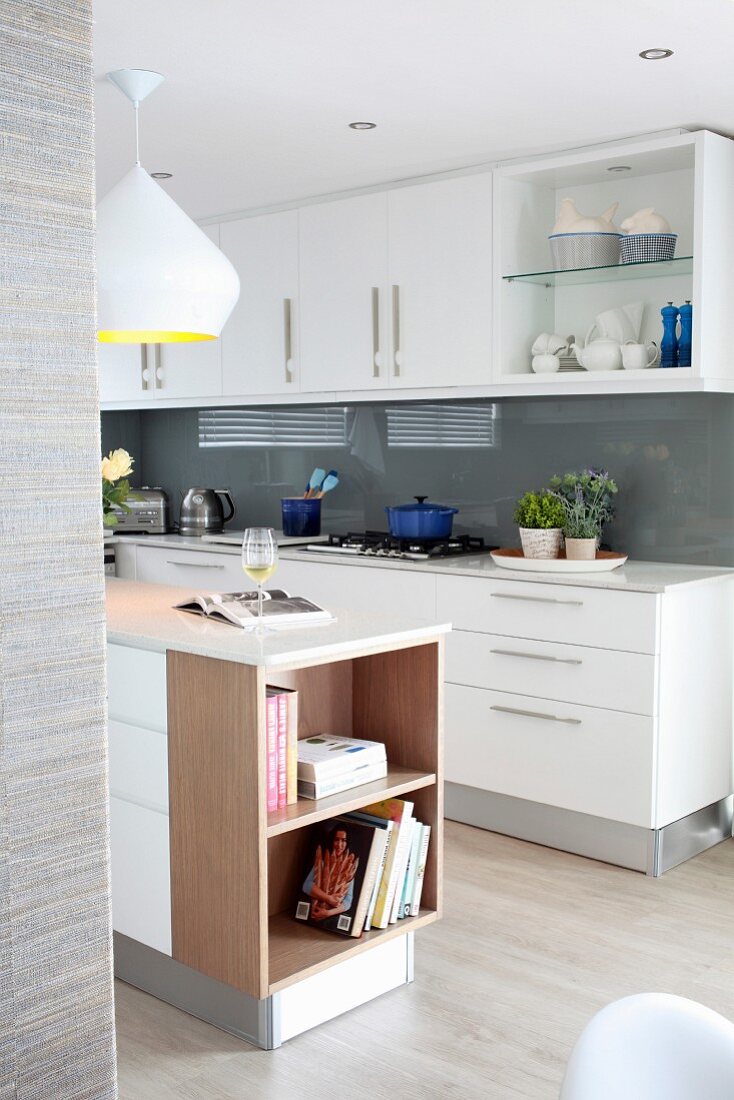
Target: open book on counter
x=280, y=609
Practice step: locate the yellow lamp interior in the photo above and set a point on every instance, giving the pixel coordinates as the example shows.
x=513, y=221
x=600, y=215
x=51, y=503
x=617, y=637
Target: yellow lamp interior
x=150, y=336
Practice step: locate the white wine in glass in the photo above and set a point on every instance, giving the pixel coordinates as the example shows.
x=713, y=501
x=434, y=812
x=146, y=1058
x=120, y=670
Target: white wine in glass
x=259, y=561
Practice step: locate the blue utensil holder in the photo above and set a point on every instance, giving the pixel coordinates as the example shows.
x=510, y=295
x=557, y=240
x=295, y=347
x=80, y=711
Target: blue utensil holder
x=301, y=517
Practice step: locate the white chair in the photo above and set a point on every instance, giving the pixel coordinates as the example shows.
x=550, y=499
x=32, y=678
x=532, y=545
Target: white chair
x=652, y=1047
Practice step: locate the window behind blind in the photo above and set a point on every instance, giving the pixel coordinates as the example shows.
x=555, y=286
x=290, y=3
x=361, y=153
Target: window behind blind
x=317, y=426
x=432, y=426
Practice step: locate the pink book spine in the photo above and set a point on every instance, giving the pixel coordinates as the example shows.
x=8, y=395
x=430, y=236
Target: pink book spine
x=282, y=750
x=272, y=752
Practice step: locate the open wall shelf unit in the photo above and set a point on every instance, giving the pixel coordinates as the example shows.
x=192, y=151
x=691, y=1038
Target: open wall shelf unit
x=688, y=178
x=236, y=870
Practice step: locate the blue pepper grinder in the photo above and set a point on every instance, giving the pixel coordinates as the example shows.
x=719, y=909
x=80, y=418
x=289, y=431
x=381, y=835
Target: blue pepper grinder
x=684, y=340
x=669, y=342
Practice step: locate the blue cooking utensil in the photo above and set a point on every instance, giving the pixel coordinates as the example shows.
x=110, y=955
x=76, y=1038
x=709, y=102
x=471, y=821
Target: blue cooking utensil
x=314, y=482
x=330, y=482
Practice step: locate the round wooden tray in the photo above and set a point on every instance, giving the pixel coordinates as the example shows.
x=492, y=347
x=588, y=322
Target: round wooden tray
x=604, y=562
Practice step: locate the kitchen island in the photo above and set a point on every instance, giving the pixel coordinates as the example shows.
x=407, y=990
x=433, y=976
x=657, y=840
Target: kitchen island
x=591, y=712
x=204, y=880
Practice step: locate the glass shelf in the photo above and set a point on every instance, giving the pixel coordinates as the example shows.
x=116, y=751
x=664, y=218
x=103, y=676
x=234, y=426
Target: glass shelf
x=579, y=276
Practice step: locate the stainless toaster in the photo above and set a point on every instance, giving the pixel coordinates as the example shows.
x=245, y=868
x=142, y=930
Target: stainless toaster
x=150, y=510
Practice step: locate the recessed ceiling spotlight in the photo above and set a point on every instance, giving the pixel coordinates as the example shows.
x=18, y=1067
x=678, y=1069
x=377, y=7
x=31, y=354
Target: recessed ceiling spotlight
x=620, y=168
x=655, y=55
x=161, y=175
x=362, y=125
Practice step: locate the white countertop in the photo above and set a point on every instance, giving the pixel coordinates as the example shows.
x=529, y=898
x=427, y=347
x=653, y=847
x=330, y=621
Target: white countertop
x=142, y=616
x=634, y=576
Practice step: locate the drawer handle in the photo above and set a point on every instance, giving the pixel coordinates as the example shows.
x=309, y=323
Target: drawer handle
x=196, y=564
x=537, y=656
x=535, y=599
x=538, y=714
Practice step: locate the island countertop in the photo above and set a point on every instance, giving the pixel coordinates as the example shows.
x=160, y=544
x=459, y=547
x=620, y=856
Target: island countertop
x=143, y=616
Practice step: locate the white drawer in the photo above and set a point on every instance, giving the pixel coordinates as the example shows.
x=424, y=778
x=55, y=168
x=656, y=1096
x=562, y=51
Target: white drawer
x=554, y=613
x=140, y=874
x=586, y=759
x=136, y=687
x=361, y=588
x=200, y=570
x=139, y=765
x=612, y=679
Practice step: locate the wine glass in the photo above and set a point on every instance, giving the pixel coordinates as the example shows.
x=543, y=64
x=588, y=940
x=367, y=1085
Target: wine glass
x=259, y=561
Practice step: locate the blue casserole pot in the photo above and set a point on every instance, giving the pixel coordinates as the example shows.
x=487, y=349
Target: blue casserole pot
x=420, y=520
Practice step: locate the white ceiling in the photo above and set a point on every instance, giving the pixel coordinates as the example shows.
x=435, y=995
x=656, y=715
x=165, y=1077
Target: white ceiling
x=259, y=93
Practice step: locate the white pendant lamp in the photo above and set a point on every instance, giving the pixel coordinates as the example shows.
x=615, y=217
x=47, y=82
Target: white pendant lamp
x=160, y=279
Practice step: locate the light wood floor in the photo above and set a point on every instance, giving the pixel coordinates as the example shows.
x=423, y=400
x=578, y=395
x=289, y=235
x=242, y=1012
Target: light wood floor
x=532, y=944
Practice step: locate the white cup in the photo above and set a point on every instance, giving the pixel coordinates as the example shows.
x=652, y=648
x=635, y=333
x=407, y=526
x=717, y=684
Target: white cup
x=638, y=356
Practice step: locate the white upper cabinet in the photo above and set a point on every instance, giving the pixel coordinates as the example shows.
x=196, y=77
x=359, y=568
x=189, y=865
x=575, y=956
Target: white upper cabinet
x=141, y=374
x=343, y=269
x=440, y=282
x=260, y=341
x=190, y=369
x=123, y=375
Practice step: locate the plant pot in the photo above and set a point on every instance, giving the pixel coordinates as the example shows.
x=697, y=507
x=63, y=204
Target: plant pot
x=540, y=542
x=581, y=549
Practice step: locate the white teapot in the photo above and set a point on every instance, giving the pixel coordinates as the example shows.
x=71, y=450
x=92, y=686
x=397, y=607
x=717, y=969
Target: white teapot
x=602, y=354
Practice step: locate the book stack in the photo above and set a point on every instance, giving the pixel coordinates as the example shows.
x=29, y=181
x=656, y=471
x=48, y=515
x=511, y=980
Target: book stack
x=365, y=869
x=329, y=764
x=281, y=724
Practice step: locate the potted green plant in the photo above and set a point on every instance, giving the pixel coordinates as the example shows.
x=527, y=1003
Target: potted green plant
x=540, y=517
x=587, y=500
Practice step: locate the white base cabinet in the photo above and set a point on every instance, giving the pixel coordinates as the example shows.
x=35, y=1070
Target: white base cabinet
x=138, y=771
x=613, y=704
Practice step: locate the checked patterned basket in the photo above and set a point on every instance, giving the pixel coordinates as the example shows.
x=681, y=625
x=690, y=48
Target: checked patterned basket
x=640, y=248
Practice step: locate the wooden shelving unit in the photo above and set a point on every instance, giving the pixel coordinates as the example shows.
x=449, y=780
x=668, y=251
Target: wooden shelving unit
x=305, y=812
x=297, y=950
x=235, y=870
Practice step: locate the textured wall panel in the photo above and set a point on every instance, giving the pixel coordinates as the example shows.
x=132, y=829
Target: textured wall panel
x=56, y=1023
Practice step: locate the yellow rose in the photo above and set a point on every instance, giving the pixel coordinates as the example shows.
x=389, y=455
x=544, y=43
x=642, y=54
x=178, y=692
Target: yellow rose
x=117, y=464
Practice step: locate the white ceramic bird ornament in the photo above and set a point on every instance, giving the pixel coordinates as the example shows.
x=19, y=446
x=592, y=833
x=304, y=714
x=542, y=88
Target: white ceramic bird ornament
x=571, y=221
x=646, y=221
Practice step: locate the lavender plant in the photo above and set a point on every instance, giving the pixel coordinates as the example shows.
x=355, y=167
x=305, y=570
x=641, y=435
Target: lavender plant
x=588, y=502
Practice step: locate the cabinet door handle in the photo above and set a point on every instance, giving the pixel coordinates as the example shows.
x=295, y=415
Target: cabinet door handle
x=535, y=599
x=158, y=384
x=288, y=337
x=396, y=353
x=196, y=564
x=144, y=375
x=537, y=714
x=537, y=656
x=376, y=357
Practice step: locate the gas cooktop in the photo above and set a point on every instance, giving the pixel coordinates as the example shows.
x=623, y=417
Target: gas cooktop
x=379, y=544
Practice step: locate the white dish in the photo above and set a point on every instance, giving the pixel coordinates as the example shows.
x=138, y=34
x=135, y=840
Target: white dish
x=604, y=562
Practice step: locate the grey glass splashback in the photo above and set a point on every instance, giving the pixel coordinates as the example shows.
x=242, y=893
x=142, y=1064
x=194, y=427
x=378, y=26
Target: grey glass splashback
x=673, y=457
